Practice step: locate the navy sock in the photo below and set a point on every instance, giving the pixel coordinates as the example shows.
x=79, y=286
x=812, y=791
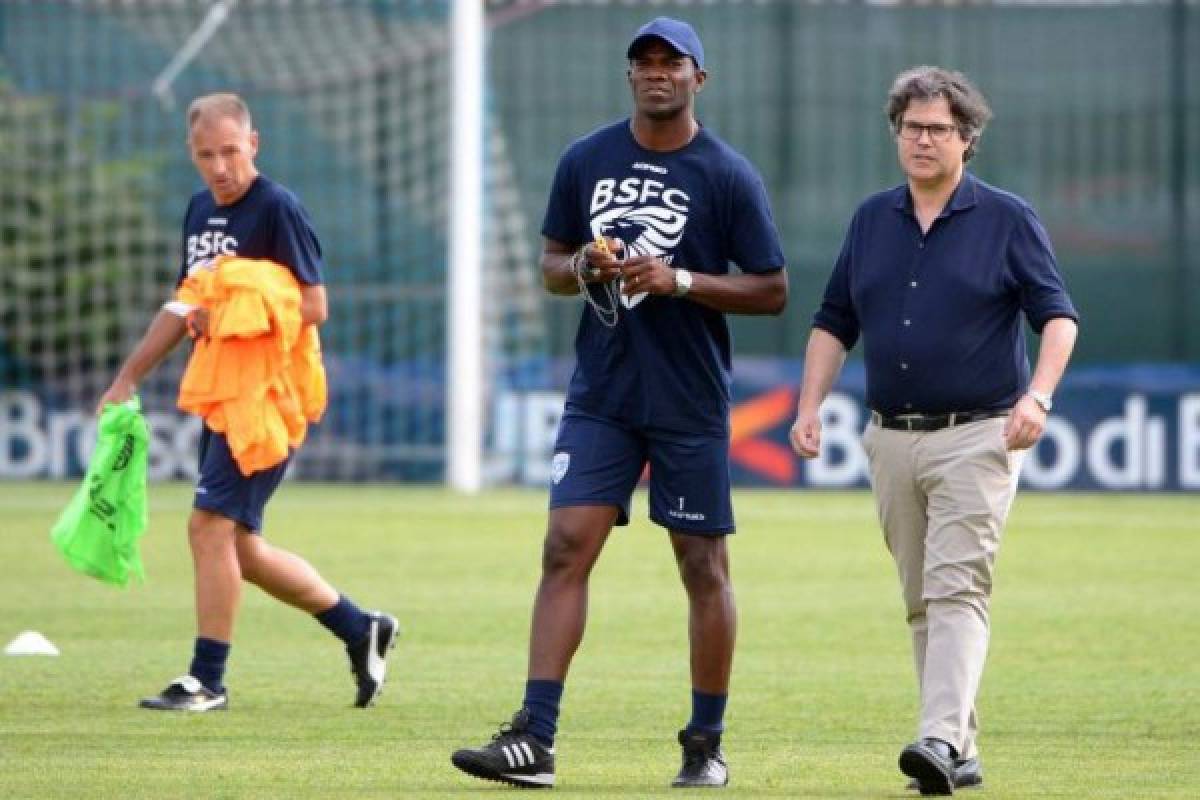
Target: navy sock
x=208, y=662
x=542, y=699
x=708, y=711
x=346, y=621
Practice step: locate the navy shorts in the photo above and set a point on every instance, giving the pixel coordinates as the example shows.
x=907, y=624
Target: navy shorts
x=223, y=489
x=598, y=461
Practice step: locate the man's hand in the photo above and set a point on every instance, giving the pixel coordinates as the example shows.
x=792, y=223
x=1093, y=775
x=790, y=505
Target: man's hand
x=647, y=274
x=806, y=434
x=600, y=263
x=1025, y=424
x=197, y=323
x=120, y=391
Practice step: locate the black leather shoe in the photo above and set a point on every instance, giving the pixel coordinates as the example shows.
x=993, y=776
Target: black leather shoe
x=968, y=773
x=930, y=762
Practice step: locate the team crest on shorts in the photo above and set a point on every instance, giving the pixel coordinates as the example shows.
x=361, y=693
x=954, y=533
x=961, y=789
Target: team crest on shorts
x=558, y=467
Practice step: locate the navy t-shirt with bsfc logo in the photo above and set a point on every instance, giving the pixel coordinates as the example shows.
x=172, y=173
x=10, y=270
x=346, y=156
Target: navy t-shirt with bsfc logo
x=666, y=363
x=267, y=222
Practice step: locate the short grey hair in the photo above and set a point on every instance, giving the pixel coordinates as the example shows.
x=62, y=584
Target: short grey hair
x=967, y=104
x=219, y=104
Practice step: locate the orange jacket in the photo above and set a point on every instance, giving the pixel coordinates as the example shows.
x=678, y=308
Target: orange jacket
x=257, y=376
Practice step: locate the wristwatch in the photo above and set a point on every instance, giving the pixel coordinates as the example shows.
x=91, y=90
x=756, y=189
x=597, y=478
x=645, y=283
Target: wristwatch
x=683, y=282
x=1045, y=402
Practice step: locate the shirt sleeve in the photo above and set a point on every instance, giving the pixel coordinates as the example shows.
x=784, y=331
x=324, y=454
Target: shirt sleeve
x=1031, y=259
x=562, y=221
x=753, y=238
x=296, y=243
x=836, y=313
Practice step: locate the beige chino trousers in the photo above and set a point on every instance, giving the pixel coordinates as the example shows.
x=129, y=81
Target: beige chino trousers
x=943, y=498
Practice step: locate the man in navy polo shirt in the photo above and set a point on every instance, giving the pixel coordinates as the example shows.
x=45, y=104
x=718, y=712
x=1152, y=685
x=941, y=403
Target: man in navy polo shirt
x=935, y=275
x=243, y=213
x=645, y=215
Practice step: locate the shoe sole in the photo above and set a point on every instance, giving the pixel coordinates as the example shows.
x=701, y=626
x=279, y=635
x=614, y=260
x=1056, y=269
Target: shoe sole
x=468, y=765
x=912, y=785
x=152, y=706
x=930, y=779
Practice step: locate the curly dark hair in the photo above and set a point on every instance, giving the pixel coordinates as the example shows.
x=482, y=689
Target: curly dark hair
x=967, y=103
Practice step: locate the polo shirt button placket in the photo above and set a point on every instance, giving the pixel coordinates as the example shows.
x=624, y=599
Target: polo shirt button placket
x=907, y=322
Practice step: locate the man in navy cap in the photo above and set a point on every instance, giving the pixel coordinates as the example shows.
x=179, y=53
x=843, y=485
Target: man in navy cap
x=645, y=217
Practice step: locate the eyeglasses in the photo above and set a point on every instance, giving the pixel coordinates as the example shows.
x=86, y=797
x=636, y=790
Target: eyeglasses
x=937, y=132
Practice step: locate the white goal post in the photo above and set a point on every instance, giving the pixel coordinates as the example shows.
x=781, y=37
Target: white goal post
x=464, y=386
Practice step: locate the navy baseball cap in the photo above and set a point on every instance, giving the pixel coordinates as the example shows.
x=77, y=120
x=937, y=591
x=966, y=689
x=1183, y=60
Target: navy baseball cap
x=674, y=32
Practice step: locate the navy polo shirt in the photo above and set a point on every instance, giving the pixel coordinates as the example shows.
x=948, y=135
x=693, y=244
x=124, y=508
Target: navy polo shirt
x=940, y=313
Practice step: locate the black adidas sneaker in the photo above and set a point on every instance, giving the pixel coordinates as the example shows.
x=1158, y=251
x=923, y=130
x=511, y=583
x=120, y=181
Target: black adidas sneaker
x=513, y=756
x=368, y=658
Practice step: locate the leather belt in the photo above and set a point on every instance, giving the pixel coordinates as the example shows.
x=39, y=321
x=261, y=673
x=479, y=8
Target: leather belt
x=932, y=422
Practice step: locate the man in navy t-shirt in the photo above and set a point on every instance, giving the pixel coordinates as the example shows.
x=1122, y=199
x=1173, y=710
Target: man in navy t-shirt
x=645, y=216
x=242, y=213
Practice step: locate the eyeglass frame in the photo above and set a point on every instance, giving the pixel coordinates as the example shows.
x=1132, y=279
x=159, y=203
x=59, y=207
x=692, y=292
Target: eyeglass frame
x=941, y=136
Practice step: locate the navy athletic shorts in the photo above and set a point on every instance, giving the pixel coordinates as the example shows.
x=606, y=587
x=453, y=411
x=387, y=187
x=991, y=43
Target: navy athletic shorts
x=598, y=461
x=223, y=489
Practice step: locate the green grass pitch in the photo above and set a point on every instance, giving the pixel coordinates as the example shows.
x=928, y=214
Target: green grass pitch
x=1092, y=688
